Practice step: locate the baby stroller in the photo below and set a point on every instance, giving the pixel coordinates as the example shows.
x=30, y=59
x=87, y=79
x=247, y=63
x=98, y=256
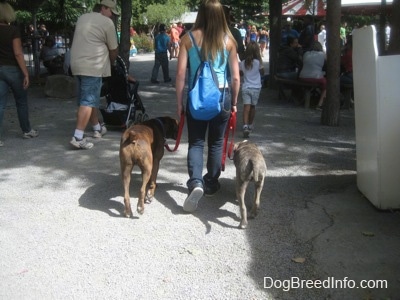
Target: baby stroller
x=123, y=100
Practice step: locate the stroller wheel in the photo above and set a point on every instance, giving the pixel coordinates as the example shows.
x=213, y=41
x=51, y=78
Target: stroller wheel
x=138, y=118
x=145, y=117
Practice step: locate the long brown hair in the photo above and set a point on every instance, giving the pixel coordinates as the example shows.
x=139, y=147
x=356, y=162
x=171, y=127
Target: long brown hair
x=252, y=52
x=212, y=23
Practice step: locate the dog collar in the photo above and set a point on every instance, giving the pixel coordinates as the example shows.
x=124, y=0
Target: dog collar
x=162, y=127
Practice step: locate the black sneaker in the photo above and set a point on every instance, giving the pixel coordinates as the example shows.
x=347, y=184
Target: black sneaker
x=168, y=80
x=154, y=81
x=210, y=191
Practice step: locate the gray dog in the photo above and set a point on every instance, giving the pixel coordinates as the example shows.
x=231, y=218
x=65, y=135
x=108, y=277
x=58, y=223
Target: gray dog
x=250, y=166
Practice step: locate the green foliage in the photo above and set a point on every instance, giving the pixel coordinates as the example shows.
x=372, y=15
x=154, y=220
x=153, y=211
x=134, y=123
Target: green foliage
x=143, y=43
x=23, y=17
x=164, y=13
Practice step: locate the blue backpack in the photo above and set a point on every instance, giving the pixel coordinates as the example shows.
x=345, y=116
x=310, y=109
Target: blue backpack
x=204, y=100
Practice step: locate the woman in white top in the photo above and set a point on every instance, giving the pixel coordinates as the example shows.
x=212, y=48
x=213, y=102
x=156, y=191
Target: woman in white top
x=252, y=69
x=313, y=63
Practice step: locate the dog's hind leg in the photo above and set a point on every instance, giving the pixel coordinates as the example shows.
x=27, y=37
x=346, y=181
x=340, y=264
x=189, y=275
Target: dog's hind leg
x=256, y=204
x=152, y=183
x=126, y=178
x=146, y=173
x=240, y=193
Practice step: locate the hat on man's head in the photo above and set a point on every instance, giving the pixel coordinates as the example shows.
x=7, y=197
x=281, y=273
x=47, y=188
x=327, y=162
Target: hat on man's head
x=111, y=4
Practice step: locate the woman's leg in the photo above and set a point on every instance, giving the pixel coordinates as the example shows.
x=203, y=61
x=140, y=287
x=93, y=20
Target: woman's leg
x=196, y=135
x=156, y=67
x=3, y=101
x=15, y=79
x=216, y=132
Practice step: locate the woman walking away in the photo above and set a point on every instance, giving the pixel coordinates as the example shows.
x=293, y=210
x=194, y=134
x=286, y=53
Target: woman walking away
x=13, y=71
x=252, y=68
x=217, y=45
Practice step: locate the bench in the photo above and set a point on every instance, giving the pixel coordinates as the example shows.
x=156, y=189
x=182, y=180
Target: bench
x=306, y=86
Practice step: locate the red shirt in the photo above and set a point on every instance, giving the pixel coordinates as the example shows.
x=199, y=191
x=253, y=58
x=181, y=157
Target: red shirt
x=347, y=61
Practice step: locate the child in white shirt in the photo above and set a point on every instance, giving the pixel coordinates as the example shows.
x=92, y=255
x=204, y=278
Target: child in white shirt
x=251, y=68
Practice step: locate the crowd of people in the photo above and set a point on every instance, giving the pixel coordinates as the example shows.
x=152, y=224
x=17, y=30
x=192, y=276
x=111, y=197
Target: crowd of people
x=302, y=55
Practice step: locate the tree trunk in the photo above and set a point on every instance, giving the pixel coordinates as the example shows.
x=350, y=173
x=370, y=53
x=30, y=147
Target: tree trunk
x=275, y=13
x=125, y=43
x=394, y=44
x=331, y=111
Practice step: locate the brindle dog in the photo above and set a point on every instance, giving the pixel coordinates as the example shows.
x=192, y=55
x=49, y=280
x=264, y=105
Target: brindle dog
x=143, y=145
x=250, y=166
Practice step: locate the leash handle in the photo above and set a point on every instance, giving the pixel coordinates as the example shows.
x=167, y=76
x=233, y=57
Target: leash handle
x=230, y=129
x=178, y=138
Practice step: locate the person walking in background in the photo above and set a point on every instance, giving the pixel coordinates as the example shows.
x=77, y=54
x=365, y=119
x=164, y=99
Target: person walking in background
x=322, y=37
x=234, y=31
x=13, y=72
x=253, y=34
x=263, y=40
x=217, y=45
x=94, y=49
x=174, y=52
x=162, y=45
x=342, y=34
x=312, y=70
x=252, y=69
x=242, y=31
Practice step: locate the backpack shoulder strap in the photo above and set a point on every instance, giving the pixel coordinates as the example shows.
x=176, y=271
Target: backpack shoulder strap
x=194, y=43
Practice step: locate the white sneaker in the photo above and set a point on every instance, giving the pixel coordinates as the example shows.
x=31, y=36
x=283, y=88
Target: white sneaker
x=31, y=134
x=80, y=144
x=98, y=134
x=1, y=144
x=246, y=131
x=190, y=204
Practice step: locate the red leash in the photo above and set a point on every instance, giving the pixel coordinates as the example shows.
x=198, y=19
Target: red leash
x=229, y=129
x=178, y=138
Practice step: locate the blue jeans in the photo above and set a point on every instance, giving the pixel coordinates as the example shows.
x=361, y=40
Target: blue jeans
x=196, y=133
x=12, y=77
x=160, y=60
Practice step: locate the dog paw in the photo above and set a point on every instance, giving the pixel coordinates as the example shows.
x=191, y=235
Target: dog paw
x=242, y=225
x=140, y=210
x=148, y=199
x=253, y=214
x=128, y=214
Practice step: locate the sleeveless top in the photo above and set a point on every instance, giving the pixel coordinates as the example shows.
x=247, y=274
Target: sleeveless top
x=194, y=63
x=253, y=37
